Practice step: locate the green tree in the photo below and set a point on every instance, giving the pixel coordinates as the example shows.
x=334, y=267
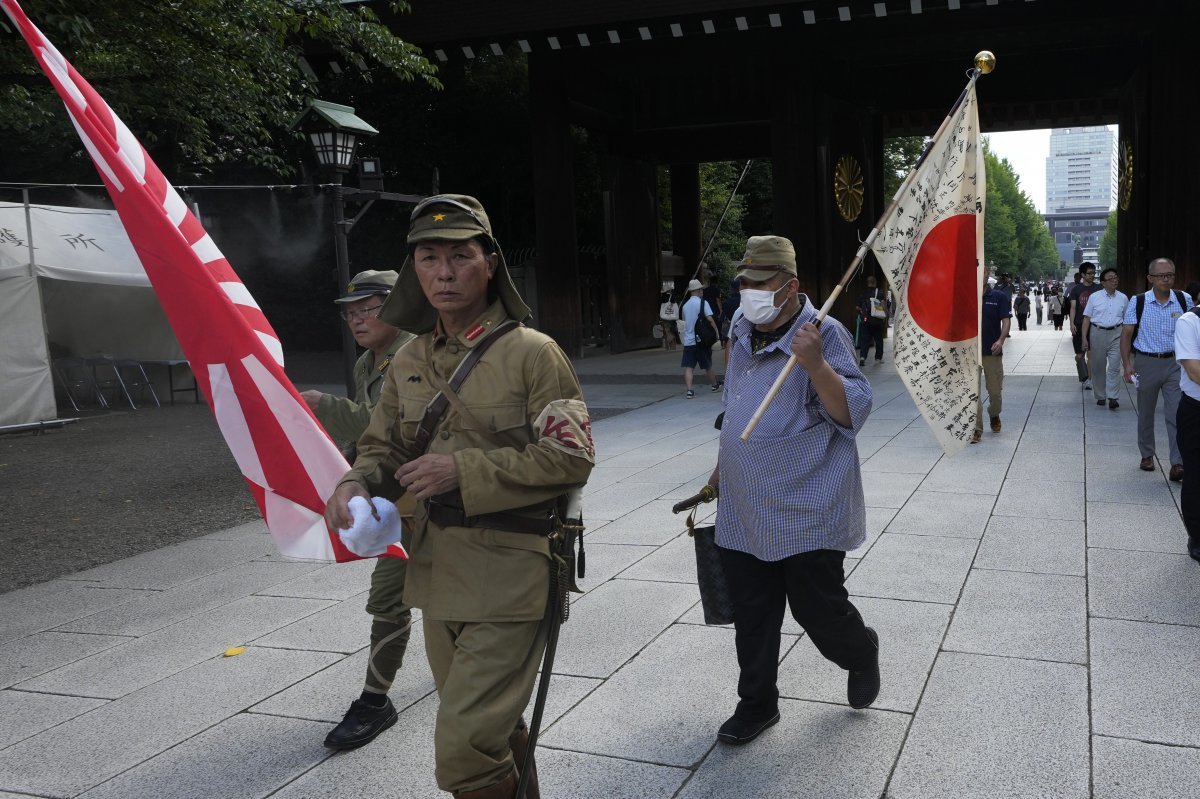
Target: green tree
x=200, y=82
x=1107, y=256
x=1015, y=235
x=899, y=157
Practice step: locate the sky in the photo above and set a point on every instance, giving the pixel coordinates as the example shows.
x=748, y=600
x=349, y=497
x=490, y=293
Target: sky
x=1027, y=151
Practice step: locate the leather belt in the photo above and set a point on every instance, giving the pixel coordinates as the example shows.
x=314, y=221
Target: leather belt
x=450, y=516
x=1102, y=327
x=1170, y=354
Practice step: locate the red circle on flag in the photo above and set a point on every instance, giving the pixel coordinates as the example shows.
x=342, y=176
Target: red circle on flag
x=943, y=288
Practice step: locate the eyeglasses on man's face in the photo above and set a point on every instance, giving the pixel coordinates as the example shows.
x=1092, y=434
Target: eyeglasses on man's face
x=1164, y=275
x=361, y=313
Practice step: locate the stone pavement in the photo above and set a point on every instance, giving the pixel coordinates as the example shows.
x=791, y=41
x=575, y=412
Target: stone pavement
x=1036, y=607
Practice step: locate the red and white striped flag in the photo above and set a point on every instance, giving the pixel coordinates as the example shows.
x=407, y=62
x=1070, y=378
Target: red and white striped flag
x=931, y=249
x=288, y=460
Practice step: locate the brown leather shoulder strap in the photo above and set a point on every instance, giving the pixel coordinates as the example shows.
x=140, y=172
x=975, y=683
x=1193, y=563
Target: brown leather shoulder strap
x=436, y=408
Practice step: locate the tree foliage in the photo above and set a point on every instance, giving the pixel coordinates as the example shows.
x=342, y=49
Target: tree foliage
x=199, y=82
x=899, y=156
x=1107, y=255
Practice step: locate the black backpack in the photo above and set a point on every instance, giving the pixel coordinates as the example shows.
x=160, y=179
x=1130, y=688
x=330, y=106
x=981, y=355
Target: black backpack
x=706, y=336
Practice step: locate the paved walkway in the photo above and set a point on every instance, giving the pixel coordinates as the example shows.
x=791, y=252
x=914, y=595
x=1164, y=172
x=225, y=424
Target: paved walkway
x=1038, y=618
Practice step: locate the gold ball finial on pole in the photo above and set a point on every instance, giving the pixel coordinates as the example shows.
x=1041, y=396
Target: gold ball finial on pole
x=985, y=61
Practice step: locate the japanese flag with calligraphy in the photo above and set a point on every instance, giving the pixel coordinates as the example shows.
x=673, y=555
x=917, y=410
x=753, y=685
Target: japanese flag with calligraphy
x=287, y=459
x=931, y=249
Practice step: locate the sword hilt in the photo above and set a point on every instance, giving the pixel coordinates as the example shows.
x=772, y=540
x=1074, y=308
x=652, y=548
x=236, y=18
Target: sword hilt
x=706, y=494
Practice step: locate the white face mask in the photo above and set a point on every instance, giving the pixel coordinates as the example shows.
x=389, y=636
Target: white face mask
x=758, y=305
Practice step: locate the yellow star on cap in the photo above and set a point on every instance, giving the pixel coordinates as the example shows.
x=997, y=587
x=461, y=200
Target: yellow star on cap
x=438, y=217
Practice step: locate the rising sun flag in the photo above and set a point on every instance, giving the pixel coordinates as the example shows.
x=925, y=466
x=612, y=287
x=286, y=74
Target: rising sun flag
x=930, y=246
x=290, y=464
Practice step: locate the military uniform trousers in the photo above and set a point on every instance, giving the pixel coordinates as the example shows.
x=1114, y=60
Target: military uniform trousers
x=484, y=673
x=993, y=380
x=392, y=622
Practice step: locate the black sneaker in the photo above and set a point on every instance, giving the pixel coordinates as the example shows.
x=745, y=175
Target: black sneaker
x=362, y=723
x=862, y=686
x=737, y=731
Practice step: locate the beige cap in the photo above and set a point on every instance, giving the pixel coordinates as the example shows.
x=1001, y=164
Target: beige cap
x=765, y=257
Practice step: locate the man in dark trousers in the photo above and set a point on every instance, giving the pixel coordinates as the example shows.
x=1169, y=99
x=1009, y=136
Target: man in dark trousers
x=1076, y=302
x=873, y=316
x=993, y=330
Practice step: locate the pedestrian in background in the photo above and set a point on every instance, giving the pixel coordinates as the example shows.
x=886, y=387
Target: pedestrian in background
x=873, y=317
x=1076, y=300
x=1021, y=308
x=697, y=311
x=1102, y=338
x=1148, y=354
x=1037, y=304
x=1054, y=305
x=993, y=332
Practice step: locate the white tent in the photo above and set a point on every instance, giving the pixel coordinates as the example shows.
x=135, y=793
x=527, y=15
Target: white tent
x=69, y=276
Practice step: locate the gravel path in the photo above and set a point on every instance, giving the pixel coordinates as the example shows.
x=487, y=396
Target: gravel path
x=113, y=485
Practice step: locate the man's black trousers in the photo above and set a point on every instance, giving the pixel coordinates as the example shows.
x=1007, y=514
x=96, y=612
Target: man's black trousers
x=870, y=332
x=1187, y=433
x=811, y=584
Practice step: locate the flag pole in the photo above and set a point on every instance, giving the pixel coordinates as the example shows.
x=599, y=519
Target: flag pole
x=985, y=62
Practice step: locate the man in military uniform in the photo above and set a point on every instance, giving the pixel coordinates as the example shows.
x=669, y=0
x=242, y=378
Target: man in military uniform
x=345, y=420
x=488, y=475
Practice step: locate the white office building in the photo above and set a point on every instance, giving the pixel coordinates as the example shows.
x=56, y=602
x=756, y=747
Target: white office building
x=1081, y=187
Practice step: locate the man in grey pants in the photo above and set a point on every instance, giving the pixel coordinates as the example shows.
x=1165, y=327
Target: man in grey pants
x=1148, y=353
x=1102, y=318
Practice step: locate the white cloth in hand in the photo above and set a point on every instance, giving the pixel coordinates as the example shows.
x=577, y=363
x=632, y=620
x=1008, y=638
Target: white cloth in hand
x=368, y=536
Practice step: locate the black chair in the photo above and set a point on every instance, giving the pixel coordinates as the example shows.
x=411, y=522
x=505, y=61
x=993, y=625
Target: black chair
x=133, y=376
x=77, y=380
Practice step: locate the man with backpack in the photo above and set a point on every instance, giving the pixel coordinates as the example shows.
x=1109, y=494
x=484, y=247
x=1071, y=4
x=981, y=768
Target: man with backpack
x=700, y=332
x=873, y=316
x=1148, y=358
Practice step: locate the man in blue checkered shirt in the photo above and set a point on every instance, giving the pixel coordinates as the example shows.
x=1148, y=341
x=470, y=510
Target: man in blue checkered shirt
x=791, y=496
x=1148, y=352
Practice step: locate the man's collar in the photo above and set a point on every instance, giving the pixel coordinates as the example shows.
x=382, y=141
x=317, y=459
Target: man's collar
x=478, y=330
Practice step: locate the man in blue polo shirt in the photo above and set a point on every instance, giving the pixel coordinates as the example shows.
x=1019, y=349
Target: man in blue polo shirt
x=1148, y=353
x=993, y=332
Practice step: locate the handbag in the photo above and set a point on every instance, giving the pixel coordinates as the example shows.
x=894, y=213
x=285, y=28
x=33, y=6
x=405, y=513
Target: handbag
x=715, y=599
x=668, y=311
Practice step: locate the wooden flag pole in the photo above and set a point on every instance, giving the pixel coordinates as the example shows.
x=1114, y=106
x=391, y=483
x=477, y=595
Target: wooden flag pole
x=985, y=62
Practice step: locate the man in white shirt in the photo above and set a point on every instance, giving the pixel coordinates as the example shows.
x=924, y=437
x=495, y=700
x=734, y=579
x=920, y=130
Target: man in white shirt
x=1101, y=338
x=697, y=311
x=1187, y=423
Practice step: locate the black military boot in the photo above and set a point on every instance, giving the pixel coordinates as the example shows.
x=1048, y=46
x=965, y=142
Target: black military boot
x=505, y=789
x=363, y=721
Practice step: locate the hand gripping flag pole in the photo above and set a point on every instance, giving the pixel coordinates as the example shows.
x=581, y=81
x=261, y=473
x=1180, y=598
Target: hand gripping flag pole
x=289, y=462
x=985, y=62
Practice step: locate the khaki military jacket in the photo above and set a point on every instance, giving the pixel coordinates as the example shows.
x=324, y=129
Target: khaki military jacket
x=525, y=391
x=345, y=419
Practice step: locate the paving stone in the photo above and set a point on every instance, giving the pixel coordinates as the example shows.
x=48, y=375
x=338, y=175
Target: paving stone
x=910, y=634
x=920, y=567
x=1045, y=546
x=1139, y=527
x=123, y=669
x=877, y=521
x=98, y=745
x=562, y=773
x=246, y=755
x=398, y=764
x=1143, y=586
x=1053, y=441
x=687, y=699
x=28, y=657
x=47, y=605
x=1136, y=770
x=626, y=615
x=344, y=627
x=617, y=500
x=889, y=489
x=990, y=727
x=24, y=714
x=1145, y=684
x=854, y=749
x=1131, y=487
x=673, y=562
x=327, y=694
x=918, y=436
x=897, y=458
x=565, y=692
x=1049, y=466
x=605, y=476
x=1016, y=614
x=942, y=514
x=254, y=529
x=164, y=608
x=955, y=475
x=869, y=445
x=337, y=581
x=1044, y=499
x=652, y=524
x=683, y=490
x=606, y=561
x=170, y=566
x=883, y=426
